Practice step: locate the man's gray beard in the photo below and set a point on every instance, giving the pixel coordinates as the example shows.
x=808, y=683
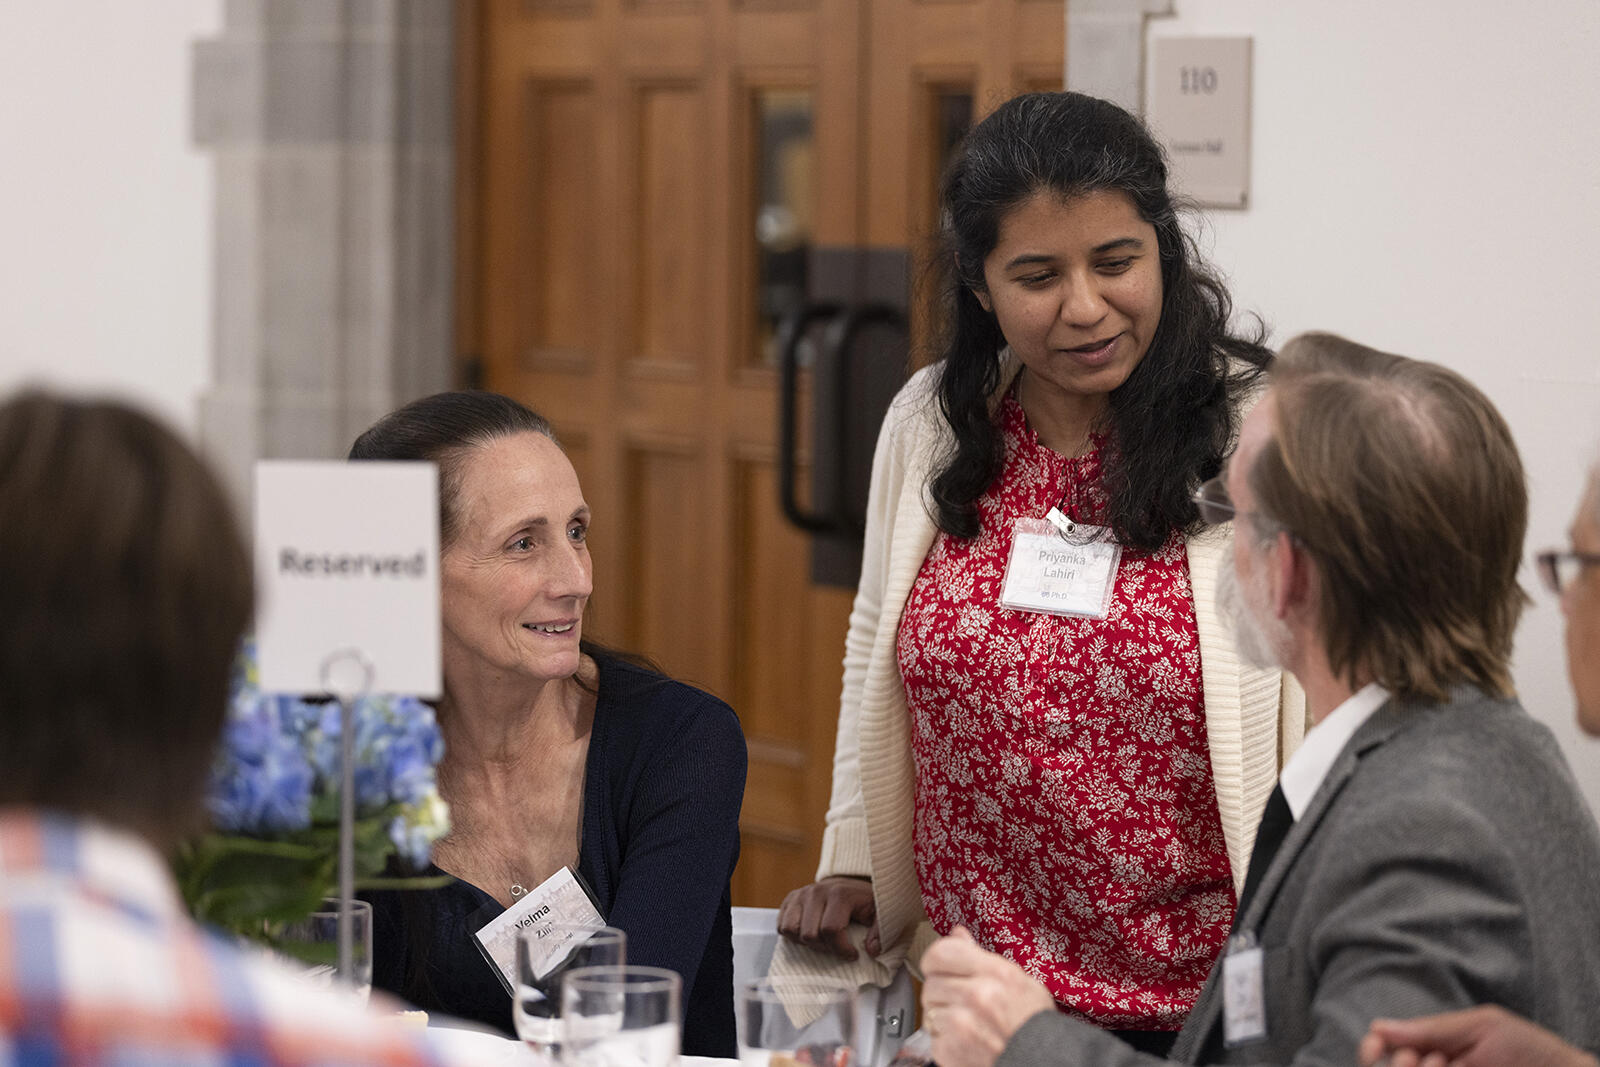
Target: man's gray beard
x=1262, y=644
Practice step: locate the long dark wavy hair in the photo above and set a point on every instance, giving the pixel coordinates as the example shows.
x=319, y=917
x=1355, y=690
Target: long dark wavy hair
x=1170, y=425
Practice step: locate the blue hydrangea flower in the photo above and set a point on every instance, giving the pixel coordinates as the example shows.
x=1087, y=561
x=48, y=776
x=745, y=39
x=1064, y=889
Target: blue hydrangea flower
x=397, y=746
x=261, y=781
x=279, y=753
x=415, y=832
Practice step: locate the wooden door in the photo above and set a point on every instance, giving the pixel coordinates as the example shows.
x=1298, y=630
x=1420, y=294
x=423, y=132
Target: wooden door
x=935, y=67
x=642, y=184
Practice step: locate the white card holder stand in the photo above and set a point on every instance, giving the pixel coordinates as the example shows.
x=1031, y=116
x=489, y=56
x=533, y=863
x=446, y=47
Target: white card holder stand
x=348, y=675
x=346, y=561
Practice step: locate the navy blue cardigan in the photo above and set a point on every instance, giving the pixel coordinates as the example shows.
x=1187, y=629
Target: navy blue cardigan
x=663, y=783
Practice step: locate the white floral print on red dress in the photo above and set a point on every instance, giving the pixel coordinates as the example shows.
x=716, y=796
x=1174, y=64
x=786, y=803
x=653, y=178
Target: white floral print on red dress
x=1065, y=811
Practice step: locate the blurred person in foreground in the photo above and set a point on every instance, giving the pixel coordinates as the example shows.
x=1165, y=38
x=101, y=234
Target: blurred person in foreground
x=124, y=589
x=1427, y=848
x=1489, y=1035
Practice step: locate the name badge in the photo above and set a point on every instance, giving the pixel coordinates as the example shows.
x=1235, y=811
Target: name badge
x=561, y=898
x=1060, y=568
x=1244, y=1006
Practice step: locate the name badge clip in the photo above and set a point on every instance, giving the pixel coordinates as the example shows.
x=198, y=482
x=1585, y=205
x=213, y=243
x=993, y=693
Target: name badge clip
x=1060, y=567
x=561, y=898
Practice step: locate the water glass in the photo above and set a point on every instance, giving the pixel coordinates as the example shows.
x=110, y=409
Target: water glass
x=312, y=944
x=796, y=1022
x=620, y=1017
x=544, y=955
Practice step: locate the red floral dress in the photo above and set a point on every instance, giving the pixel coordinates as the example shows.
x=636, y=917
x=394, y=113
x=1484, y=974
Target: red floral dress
x=1065, y=812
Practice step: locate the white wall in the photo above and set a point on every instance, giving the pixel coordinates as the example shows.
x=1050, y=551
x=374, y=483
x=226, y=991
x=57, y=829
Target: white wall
x=1425, y=178
x=105, y=208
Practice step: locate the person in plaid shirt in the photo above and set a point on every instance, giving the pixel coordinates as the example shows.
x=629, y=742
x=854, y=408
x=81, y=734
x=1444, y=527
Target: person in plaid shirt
x=124, y=589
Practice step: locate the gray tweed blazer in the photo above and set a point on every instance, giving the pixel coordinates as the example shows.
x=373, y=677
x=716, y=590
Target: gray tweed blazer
x=1447, y=860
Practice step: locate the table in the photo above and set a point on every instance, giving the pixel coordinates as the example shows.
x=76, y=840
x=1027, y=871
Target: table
x=493, y=1050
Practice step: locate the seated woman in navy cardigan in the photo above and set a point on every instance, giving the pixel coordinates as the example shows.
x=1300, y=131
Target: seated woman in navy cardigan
x=557, y=753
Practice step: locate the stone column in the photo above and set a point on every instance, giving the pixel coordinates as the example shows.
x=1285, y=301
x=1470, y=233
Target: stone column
x=330, y=123
x=1105, y=48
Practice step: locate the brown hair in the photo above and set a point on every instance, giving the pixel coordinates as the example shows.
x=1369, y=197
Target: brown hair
x=125, y=587
x=1403, y=482
x=445, y=428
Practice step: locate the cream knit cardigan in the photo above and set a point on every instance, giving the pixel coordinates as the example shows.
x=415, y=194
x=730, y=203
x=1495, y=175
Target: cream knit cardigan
x=1254, y=718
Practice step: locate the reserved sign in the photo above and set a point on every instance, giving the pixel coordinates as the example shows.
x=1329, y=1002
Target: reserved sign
x=347, y=559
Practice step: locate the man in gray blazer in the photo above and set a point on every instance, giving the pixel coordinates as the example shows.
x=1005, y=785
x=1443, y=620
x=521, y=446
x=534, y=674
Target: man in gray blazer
x=1488, y=1035
x=1426, y=848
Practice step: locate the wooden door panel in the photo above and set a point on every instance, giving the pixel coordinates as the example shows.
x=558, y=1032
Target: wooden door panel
x=555, y=246
x=670, y=236
x=566, y=8
x=551, y=40
x=576, y=444
x=1036, y=78
x=769, y=622
x=668, y=40
x=767, y=38
x=667, y=566
x=788, y=644
x=766, y=862
x=564, y=397
x=669, y=7
x=981, y=44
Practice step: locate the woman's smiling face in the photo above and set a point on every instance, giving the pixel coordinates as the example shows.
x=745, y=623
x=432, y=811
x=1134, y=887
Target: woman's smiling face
x=1076, y=288
x=516, y=577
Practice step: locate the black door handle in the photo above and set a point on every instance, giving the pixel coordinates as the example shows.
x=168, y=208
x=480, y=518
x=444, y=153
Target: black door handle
x=833, y=366
x=838, y=346
x=791, y=331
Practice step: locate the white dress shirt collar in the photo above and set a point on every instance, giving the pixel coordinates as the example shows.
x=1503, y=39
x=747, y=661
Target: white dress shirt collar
x=1303, y=774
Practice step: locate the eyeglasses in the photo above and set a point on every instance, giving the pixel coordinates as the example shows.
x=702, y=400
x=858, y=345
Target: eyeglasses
x=1560, y=569
x=1217, y=507
x=1215, y=504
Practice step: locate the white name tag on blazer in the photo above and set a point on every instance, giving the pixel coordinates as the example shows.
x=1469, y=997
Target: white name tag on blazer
x=1060, y=567
x=1244, y=1004
x=558, y=899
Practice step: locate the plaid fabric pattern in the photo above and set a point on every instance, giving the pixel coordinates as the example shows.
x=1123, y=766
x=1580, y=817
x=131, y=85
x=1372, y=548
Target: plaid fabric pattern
x=99, y=964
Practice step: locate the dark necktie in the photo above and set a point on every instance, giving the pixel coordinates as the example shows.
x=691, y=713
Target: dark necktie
x=1275, y=823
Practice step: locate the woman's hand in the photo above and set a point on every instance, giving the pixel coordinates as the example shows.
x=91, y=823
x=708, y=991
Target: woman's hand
x=974, y=1001
x=1487, y=1036
x=820, y=914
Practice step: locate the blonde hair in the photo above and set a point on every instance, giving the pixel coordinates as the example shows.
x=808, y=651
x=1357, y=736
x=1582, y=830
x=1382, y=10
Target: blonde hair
x=1403, y=482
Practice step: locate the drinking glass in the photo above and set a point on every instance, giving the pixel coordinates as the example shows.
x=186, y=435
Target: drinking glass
x=546, y=953
x=312, y=943
x=796, y=1022
x=620, y=1017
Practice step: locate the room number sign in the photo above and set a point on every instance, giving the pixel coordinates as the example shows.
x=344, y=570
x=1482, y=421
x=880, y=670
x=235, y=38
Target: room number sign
x=1198, y=100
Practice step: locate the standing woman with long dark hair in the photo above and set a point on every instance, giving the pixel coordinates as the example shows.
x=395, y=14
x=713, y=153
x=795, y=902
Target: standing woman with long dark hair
x=1045, y=734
